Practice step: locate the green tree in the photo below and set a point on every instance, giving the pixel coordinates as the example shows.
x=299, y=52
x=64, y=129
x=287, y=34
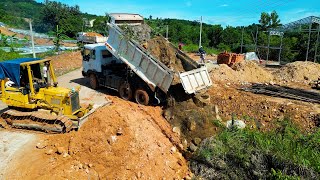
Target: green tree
x=269, y=20
x=100, y=24
x=264, y=20
x=56, y=13
x=58, y=38
x=274, y=20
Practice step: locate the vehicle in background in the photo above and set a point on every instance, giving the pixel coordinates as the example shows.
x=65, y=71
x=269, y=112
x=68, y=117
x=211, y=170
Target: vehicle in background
x=90, y=38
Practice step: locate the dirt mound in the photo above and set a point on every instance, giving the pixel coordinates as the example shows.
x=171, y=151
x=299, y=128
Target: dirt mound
x=161, y=49
x=121, y=141
x=66, y=62
x=7, y=32
x=93, y=34
x=299, y=71
x=246, y=71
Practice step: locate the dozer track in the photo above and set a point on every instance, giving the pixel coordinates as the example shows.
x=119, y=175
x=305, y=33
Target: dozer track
x=37, y=120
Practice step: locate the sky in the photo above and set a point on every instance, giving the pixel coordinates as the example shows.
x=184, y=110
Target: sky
x=224, y=12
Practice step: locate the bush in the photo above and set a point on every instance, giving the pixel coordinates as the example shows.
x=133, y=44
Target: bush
x=9, y=55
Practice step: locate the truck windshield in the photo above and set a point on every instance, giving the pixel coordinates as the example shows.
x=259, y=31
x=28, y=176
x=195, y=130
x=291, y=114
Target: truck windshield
x=106, y=53
x=86, y=52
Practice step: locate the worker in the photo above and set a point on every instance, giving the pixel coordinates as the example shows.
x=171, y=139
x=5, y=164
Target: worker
x=145, y=45
x=180, y=46
x=202, y=54
x=45, y=71
x=9, y=83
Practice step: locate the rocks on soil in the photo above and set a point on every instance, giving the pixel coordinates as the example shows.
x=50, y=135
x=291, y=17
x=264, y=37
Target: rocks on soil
x=236, y=124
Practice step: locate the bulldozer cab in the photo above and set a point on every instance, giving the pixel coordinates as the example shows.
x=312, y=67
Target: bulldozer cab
x=27, y=75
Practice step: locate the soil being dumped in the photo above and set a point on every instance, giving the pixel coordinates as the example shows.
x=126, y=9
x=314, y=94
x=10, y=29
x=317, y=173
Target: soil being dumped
x=161, y=49
x=121, y=141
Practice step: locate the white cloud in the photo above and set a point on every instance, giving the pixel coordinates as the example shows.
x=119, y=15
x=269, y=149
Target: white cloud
x=296, y=14
x=224, y=5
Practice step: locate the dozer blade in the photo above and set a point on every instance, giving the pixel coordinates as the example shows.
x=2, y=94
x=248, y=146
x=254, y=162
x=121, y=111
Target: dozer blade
x=37, y=120
x=83, y=119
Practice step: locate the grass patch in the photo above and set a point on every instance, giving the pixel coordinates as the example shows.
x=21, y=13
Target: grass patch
x=10, y=55
x=285, y=153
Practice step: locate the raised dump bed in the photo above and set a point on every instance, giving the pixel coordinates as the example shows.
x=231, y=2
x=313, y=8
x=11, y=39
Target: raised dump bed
x=154, y=72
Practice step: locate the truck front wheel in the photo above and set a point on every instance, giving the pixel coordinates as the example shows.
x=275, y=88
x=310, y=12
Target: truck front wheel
x=125, y=91
x=142, y=97
x=93, y=81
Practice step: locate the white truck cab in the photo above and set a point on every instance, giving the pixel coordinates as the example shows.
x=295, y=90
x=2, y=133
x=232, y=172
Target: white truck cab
x=95, y=56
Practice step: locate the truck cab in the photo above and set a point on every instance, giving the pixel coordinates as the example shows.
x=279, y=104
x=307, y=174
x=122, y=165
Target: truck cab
x=95, y=56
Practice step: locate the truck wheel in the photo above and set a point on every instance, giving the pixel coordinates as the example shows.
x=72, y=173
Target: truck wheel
x=93, y=81
x=125, y=91
x=83, y=74
x=142, y=97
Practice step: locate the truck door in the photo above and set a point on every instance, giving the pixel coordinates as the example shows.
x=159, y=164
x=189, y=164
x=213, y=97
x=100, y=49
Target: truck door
x=91, y=60
x=86, y=60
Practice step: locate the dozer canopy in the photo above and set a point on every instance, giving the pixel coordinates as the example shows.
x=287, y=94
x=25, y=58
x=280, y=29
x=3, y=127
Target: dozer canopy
x=11, y=69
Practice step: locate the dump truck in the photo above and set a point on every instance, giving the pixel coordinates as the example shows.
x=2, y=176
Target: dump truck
x=36, y=103
x=90, y=38
x=124, y=65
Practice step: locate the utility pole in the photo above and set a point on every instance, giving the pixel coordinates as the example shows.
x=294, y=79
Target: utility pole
x=167, y=32
x=242, y=39
x=200, y=31
x=32, y=41
x=256, y=42
x=307, y=53
x=316, y=47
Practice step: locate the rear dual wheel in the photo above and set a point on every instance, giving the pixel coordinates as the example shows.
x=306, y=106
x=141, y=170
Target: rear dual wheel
x=93, y=81
x=141, y=97
x=125, y=91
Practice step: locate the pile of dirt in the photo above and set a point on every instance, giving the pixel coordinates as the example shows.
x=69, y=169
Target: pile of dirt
x=196, y=122
x=246, y=71
x=93, y=34
x=66, y=62
x=299, y=71
x=120, y=141
x=260, y=111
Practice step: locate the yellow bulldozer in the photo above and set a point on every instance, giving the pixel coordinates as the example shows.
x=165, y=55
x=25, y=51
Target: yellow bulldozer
x=30, y=89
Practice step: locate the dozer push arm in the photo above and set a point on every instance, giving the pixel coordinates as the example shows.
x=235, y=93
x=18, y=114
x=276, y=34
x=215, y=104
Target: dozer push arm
x=53, y=76
x=2, y=88
x=30, y=81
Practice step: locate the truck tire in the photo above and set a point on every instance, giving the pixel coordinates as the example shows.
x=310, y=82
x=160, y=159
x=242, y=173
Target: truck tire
x=83, y=74
x=125, y=91
x=142, y=97
x=93, y=81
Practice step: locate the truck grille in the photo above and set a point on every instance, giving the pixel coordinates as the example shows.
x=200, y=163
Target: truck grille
x=75, y=103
